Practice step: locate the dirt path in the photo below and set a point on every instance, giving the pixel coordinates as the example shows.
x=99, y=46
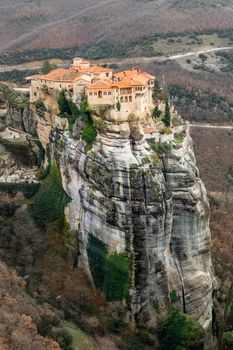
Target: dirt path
x=209, y=126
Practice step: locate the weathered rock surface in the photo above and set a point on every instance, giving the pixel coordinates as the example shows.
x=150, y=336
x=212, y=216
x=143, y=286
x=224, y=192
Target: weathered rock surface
x=21, y=119
x=155, y=209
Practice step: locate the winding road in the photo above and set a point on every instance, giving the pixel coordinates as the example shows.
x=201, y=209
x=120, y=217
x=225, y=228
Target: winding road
x=209, y=126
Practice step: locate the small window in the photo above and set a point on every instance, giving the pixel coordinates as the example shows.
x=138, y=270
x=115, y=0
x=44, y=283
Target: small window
x=126, y=98
x=109, y=93
x=35, y=93
x=105, y=92
x=130, y=98
x=122, y=100
x=60, y=85
x=107, y=74
x=90, y=93
x=95, y=93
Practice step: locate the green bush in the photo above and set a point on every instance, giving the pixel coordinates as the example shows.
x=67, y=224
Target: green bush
x=174, y=297
x=89, y=134
x=68, y=109
x=161, y=148
x=16, y=147
x=50, y=200
x=180, y=332
x=7, y=209
x=64, y=338
x=111, y=273
x=227, y=340
x=97, y=252
x=116, y=277
x=28, y=190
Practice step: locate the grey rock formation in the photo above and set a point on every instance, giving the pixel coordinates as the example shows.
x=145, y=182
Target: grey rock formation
x=16, y=118
x=154, y=208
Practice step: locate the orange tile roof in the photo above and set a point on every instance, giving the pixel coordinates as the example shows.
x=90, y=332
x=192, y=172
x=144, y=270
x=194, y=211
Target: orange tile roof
x=54, y=73
x=125, y=79
x=126, y=82
x=60, y=74
x=150, y=130
x=95, y=69
x=101, y=84
x=136, y=74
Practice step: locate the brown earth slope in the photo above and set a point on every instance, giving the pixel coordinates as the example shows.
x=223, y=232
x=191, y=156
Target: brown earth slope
x=38, y=23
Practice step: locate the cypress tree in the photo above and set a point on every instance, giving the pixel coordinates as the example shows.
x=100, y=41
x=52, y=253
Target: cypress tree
x=156, y=112
x=167, y=114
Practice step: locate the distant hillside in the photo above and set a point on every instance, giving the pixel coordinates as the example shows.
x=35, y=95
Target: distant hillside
x=57, y=23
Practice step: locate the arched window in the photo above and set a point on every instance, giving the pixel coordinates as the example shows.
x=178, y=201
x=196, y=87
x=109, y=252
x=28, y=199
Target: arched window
x=126, y=98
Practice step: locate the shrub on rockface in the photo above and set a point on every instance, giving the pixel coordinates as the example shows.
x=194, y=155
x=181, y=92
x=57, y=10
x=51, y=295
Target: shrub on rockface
x=116, y=277
x=50, y=200
x=180, y=332
x=110, y=272
x=28, y=189
x=69, y=110
x=96, y=251
x=89, y=134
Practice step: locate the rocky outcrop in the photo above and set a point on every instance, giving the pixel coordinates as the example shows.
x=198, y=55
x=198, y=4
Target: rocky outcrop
x=151, y=205
x=18, y=118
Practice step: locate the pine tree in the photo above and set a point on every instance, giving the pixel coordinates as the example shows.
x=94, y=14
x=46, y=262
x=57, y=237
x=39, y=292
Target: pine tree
x=167, y=114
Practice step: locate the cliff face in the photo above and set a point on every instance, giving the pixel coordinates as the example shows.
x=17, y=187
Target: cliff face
x=19, y=117
x=150, y=205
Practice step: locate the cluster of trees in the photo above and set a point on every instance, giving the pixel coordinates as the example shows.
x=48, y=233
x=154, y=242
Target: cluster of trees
x=17, y=76
x=195, y=103
x=47, y=67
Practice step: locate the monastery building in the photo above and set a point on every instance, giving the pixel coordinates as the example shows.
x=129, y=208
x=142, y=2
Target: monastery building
x=101, y=86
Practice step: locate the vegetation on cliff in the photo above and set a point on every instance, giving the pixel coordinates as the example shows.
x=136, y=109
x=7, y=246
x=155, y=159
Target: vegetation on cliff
x=69, y=110
x=28, y=189
x=110, y=272
x=180, y=332
x=226, y=337
x=51, y=199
